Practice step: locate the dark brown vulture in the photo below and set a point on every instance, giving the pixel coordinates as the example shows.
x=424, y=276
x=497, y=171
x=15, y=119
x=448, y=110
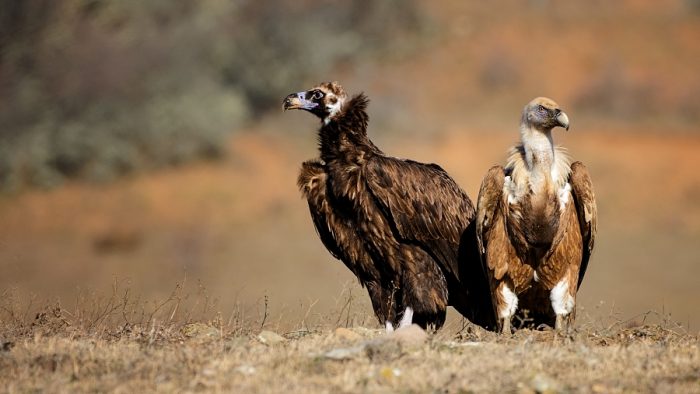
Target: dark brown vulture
x=536, y=224
x=396, y=224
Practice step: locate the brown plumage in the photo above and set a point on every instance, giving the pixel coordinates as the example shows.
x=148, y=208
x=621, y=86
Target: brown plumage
x=398, y=225
x=536, y=224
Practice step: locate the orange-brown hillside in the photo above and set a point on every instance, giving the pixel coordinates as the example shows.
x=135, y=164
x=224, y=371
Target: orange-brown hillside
x=625, y=72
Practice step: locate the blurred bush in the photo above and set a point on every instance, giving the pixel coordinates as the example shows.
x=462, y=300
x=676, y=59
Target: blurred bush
x=95, y=89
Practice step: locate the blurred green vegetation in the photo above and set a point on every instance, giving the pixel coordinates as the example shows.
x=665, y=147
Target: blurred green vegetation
x=95, y=89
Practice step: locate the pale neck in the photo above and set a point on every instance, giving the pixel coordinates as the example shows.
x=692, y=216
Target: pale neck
x=539, y=153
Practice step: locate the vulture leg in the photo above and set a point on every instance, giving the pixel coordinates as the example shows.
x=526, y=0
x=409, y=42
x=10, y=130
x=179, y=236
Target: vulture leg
x=505, y=326
x=423, y=290
x=383, y=303
x=559, y=325
x=506, y=304
x=562, y=326
x=563, y=303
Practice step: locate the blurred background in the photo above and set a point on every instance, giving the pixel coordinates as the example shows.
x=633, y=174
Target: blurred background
x=142, y=144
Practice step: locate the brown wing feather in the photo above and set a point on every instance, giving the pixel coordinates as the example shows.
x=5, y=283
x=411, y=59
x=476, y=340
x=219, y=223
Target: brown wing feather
x=425, y=205
x=337, y=234
x=342, y=240
x=584, y=199
x=491, y=233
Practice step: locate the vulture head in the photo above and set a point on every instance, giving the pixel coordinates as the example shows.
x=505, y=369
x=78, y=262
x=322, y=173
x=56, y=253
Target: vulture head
x=325, y=100
x=544, y=114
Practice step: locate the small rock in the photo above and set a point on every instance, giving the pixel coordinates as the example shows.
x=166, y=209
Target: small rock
x=542, y=383
x=245, y=369
x=345, y=353
x=412, y=335
x=346, y=334
x=393, y=344
x=270, y=338
x=385, y=347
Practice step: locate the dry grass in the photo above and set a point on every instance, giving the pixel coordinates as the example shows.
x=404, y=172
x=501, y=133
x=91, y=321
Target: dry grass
x=122, y=344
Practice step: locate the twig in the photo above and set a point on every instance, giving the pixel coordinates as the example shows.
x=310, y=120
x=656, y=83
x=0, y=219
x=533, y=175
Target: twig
x=264, y=319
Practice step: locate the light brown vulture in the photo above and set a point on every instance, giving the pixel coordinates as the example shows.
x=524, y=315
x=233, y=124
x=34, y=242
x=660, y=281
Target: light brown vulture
x=398, y=225
x=536, y=224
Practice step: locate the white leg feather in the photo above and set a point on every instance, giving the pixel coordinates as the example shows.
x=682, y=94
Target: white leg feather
x=407, y=318
x=506, y=312
x=562, y=303
x=389, y=326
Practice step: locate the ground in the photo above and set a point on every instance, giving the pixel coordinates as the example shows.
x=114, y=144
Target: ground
x=203, y=357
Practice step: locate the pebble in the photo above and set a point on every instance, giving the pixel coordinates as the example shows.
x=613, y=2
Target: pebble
x=345, y=353
x=386, y=347
x=412, y=335
x=270, y=338
x=245, y=369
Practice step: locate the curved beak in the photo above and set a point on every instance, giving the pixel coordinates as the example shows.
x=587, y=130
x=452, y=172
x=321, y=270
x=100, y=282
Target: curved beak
x=298, y=101
x=563, y=120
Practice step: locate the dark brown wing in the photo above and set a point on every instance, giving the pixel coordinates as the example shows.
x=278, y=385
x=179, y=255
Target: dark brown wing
x=491, y=234
x=424, y=204
x=337, y=233
x=584, y=199
x=340, y=237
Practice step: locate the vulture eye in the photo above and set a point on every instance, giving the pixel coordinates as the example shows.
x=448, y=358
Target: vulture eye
x=317, y=95
x=541, y=109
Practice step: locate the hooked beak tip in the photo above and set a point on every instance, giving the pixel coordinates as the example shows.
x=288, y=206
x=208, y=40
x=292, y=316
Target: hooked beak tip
x=292, y=102
x=563, y=120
